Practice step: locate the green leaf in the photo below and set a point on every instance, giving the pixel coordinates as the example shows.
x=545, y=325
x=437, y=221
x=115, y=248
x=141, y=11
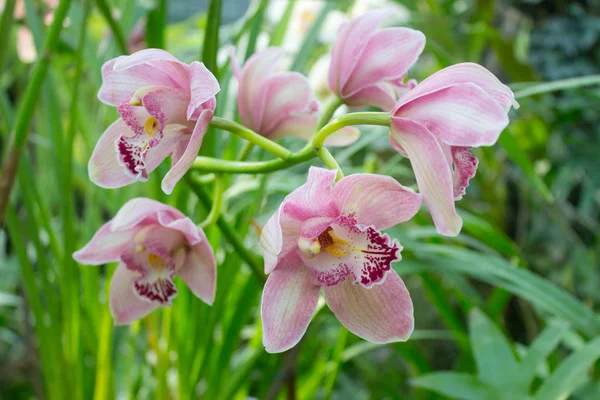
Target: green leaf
x=455, y=385
x=309, y=42
x=115, y=27
x=543, y=345
x=570, y=374
x=493, y=354
x=211, y=36
x=563, y=84
x=542, y=293
x=520, y=158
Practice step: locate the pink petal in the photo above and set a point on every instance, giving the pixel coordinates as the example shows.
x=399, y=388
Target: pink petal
x=199, y=271
x=271, y=241
x=178, y=170
x=288, y=301
x=119, y=84
x=285, y=94
x=459, y=115
x=142, y=210
x=376, y=200
x=125, y=306
x=388, y=55
x=304, y=126
x=105, y=246
x=155, y=256
x=313, y=198
x=173, y=219
x=465, y=167
x=347, y=248
x=203, y=86
x=464, y=73
x=141, y=57
x=252, y=95
x=352, y=39
x=167, y=105
x=173, y=135
x=381, y=314
x=104, y=168
x=377, y=95
x=432, y=170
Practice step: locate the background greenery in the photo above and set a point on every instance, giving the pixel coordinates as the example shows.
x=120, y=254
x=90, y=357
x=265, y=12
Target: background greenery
x=504, y=311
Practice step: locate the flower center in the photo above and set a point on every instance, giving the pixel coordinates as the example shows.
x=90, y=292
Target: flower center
x=156, y=262
x=325, y=241
x=151, y=126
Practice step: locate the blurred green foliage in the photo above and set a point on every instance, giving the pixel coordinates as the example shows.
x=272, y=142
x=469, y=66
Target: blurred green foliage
x=528, y=256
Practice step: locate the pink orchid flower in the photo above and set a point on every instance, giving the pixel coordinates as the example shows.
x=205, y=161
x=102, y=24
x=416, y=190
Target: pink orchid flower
x=165, y=108
x=438, y=122
x=329, y=238
x=276, y=104
x=153, y=242
x=368, y=66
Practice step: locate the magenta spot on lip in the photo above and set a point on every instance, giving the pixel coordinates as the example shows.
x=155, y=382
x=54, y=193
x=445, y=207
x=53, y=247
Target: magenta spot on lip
x=379, y=256
x=465, y=167
x=161, y=291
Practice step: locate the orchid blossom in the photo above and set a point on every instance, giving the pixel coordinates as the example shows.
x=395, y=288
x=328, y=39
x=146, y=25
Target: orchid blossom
x=368, y=66
x=275, y=103
x=329, y=238
x=438, y=122
x=165, y=107
x=153, y=242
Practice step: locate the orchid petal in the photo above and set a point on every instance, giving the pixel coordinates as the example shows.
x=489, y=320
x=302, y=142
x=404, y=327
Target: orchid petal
x=381, y=314
x=178, y=170
x=432, y=170
x=288, y=302
x=119, y=85
x=251, y=96
x=285, y=94
x=141, y=57
x=142, y=210
x=376, y=200
x=105, y=246
x=465, y=167
x=459, y=115
x=388, y=55
x=464, y=73
x=377, y=95
x=104, y=168
x=125, y=306
x=203, y=86
x=167, y=105
x=271, y=241
x=352, y=38
x=347, y=248
x=313, y=198
x=199, y=271
x=171, y=218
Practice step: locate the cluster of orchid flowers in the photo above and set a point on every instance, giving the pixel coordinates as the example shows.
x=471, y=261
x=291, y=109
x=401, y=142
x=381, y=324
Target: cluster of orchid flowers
x=326, y=235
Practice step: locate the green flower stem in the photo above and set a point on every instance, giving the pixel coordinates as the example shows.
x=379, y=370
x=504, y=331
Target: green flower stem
x=208, y=164
x=330, y=162
x=245, y=151
x=251, y=136
x=230, y=233
x=359, y=118
x=215, y=209
x=329, y=110
x=27, y=106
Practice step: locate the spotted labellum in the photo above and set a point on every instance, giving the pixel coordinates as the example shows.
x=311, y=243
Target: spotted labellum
x=328, y=238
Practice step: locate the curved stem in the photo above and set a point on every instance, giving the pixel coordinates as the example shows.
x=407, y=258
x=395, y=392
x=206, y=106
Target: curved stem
x=230, y=233
x=359, y=118
x=330, y=162
x=215, y=209
x=330, y=109
x=251, y=136
x=208, y=164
